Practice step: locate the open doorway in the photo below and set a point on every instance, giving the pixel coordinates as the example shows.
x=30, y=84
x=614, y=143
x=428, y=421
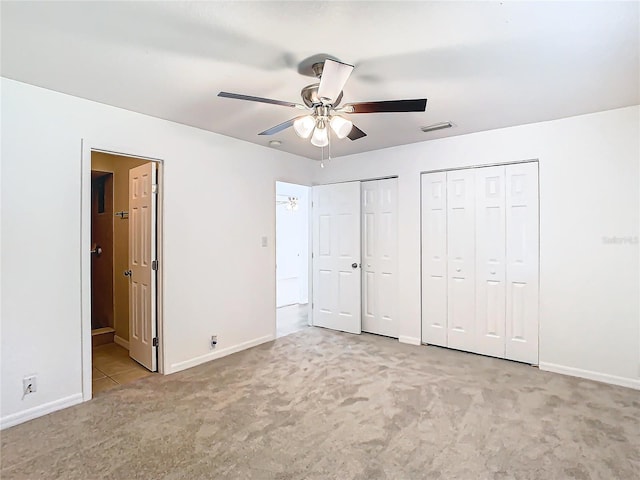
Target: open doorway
x=123, y=269
x=292, y=258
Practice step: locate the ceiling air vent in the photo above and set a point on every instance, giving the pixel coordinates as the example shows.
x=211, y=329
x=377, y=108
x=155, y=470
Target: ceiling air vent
x=436, y=126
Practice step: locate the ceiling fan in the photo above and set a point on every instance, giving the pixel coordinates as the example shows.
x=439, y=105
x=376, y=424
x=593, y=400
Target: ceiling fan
x=321, y=104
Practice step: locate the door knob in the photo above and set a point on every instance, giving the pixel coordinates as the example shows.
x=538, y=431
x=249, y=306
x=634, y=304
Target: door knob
x=493, y=273
x=127, y=273
x=354, y=265
x=96, y=250
x=458, y=269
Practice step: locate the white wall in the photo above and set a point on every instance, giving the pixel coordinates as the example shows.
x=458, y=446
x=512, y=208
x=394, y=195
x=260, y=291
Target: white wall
x=589, y=189
x=292, y=246
x=215, y=214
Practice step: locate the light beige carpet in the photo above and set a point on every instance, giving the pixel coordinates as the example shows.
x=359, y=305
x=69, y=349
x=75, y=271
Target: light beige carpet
x=324, y=405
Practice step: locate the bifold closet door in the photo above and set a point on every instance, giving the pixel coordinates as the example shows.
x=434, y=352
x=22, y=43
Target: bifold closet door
x=522, y=260
x=490, y=261
x=480, y=260
x=379, y=256
x=434, y=258
x=461, y=224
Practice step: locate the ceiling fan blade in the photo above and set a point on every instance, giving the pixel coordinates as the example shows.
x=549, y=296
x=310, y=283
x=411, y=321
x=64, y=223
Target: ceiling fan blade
x=417, y=105
x=334, y=76
x=356, y=133
x=279, y=128
x=249, y=98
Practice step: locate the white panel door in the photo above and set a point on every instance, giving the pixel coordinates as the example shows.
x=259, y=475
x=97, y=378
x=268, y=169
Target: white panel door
x=379, y=257
x=142, y=278
x=434, y=258
x=490, y=261
x=336, y=257
x=522, y=262
x=461, y=260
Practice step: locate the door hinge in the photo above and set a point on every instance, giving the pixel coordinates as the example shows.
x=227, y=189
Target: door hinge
x=155, y=342
x=154, y=265
x=154, y=188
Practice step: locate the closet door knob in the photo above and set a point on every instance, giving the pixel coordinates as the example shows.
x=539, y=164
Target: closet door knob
x=458, y=269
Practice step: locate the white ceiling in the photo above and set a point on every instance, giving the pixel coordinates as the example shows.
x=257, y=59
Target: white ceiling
x=482, y=65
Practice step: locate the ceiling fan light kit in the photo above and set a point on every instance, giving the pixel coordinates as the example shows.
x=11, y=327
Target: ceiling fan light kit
x=322, y=99
x=341, y=126
x=320, y=137
x=304, y=126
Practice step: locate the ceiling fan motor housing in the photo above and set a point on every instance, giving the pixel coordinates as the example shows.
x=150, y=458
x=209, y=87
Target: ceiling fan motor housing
x=310, y=96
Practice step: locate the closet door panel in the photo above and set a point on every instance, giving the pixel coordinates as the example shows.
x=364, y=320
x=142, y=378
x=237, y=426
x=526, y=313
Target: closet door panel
x=369, y=195
x=379, y=261
x=490, y=261
x=434, y=258
x=522, y=260
x=387, y=274
x=461, y=259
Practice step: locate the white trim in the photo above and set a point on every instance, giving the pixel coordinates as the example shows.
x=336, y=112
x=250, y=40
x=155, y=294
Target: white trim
x=85, y=269
x=591, y=375
x=207, y=357
x=86, y=147
x=40, y=410
x=409, y=340
x=121, y=341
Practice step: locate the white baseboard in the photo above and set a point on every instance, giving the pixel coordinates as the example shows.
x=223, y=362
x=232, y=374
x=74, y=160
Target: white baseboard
x=39, y=411
x=590, y=375
x=176, y=367
x=409, y=340
x=121, y=341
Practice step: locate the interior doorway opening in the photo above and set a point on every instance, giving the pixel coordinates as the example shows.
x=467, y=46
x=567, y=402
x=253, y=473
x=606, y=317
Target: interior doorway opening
x=124, y=260
x=292, y=257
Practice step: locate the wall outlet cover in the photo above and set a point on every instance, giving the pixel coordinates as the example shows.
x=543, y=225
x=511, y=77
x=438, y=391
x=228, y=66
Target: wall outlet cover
x=29, y=385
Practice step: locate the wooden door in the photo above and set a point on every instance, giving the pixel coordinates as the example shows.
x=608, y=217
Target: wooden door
x=102, y=309
x=142, y=254
x=434, y=258
x=336, y=257
x=490, y=261
x=379, y=256
x=522, y=261
x=461, y=259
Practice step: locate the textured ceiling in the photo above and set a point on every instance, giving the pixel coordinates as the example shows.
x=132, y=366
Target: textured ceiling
x=482, y=65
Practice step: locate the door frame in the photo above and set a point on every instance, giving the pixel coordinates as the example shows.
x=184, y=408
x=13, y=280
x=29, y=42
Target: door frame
x=88, y=146
x=309, y=250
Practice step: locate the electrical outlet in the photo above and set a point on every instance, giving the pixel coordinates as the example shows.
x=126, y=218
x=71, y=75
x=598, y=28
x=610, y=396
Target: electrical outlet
x=29, y=385
x=214, y=341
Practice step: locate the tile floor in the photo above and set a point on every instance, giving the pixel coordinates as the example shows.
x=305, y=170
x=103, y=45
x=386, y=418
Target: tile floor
x=291, y=318
x=112, y=366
